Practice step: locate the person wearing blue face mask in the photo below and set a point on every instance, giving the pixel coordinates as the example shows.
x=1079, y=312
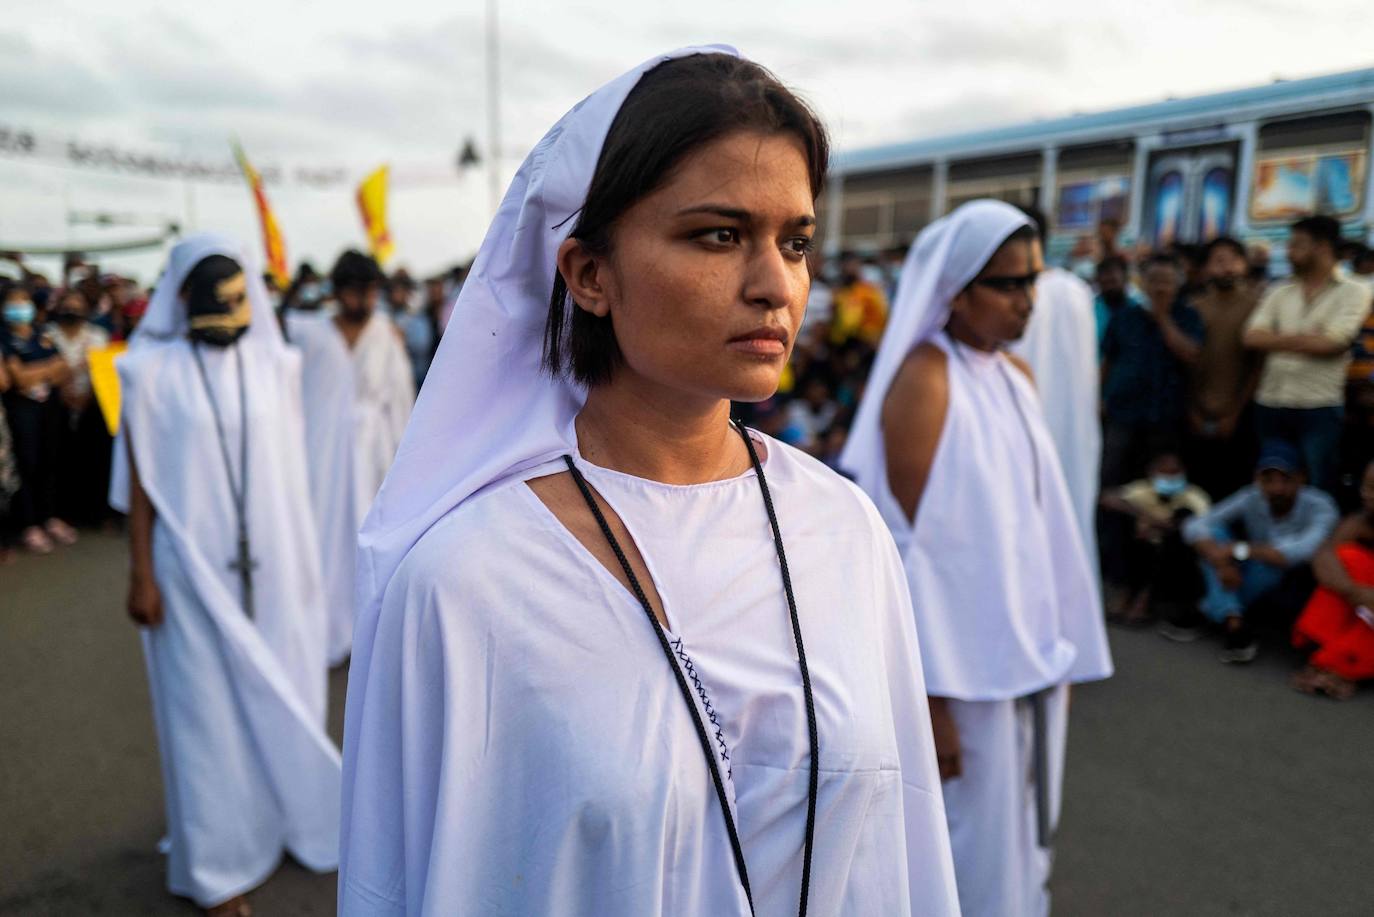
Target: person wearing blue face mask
x=1160, y=568
x=35, y=412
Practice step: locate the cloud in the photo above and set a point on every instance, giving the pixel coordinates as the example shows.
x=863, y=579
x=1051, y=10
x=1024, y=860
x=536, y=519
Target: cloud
x=50, y=85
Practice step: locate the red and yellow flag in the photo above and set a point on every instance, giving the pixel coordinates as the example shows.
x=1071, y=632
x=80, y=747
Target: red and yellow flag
x=372, y=206
x=271, y=231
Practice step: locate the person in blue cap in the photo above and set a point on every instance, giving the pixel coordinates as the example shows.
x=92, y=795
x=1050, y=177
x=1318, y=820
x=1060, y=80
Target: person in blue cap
x=1250, y=540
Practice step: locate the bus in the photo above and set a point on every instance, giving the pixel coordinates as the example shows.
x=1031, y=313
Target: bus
x=1244, y=163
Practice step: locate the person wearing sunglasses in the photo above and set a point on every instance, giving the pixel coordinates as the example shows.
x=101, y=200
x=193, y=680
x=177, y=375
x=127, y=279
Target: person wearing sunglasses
x=951, y=443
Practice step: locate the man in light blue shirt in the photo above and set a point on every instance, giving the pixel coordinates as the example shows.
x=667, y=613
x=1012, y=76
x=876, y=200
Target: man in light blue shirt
x=1248, y=541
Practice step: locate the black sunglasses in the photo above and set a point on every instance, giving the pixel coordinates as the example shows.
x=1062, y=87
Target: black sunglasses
x=1008, y=284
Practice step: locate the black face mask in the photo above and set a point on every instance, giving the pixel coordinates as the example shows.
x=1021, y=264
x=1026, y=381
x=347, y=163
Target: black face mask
x=218, y=310
x=68, y=317
x=1225, y=284
x=1114, y=298
x=216, y=337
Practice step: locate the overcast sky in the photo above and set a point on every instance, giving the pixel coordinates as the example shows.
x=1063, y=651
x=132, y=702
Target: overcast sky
x=315, y=83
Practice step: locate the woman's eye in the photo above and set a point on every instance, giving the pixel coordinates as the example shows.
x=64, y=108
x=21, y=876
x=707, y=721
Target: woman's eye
x=801, y=245
x=723, y=236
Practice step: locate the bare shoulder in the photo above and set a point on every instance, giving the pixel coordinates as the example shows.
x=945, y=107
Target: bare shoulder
x=922, y=379
x=1020, y=363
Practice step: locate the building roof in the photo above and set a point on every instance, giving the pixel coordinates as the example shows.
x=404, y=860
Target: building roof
x=1277, y=98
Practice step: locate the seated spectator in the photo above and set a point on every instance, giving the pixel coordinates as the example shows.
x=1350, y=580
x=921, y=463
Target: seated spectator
x=1307, y=325
x=1159, y=566
x=1250, y=540
x=1338, y=624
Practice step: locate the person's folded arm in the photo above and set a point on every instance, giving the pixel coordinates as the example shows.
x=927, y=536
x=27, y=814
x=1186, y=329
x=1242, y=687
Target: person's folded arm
x=1302, y=546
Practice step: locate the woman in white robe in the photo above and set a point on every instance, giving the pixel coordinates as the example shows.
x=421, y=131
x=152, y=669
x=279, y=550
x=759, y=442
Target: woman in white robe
x=327, y=387
x=540, y=723
x=239, y=702
x=951, y=443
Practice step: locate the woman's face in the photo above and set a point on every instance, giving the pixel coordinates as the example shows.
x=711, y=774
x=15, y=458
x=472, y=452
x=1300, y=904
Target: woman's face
x=995, y=307
x=706, y=279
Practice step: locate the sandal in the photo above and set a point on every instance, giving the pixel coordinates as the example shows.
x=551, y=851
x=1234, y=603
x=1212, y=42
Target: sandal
x=1335, y=687
x=1306, y=680
x=35, y=541
x=60, y=531
x=237, y=906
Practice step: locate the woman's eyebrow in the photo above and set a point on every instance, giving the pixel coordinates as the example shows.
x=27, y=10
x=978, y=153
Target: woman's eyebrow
x=742, y=216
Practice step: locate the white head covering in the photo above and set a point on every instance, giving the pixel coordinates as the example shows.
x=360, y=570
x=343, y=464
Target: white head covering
x=487, y=410
x=166, y=319
x=944, y=258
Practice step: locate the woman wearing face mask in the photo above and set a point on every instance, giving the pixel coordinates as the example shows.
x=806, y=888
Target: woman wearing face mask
x=85, y=469
x=36, y=371
x=951, y=442
x=225, y=579
x=616, y=655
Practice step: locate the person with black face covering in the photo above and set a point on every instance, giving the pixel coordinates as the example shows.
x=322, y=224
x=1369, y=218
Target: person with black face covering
x=1221, y=441
x=225, y=579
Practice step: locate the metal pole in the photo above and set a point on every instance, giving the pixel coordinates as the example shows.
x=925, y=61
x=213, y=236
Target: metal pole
x=493, y=106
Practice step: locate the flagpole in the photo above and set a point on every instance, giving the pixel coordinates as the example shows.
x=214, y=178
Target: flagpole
x=493, y=106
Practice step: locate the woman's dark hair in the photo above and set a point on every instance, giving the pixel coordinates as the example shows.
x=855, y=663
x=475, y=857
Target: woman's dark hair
x=208, y=273
x=354, y=269
x=675, y=108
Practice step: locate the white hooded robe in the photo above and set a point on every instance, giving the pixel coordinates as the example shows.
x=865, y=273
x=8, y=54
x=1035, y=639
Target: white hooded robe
x=239, y=704
x=516, y=742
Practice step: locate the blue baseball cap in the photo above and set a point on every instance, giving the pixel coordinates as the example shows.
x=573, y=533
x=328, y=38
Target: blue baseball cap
x=1278, y=455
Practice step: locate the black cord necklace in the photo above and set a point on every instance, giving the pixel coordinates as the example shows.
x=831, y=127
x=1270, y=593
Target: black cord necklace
x=243, y=563
x=702, y=736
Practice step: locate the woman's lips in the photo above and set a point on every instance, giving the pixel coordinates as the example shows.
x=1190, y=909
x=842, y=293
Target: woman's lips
x=763, y=347
x=762, y=342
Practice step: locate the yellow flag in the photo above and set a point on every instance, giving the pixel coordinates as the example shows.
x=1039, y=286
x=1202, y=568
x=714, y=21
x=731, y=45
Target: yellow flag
x=105, y=382
x=271, y=230
x=372, y=206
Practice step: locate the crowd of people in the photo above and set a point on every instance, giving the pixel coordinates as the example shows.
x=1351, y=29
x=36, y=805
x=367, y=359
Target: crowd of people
x=1236, y=416
x=55, y=443
x=1214, y=379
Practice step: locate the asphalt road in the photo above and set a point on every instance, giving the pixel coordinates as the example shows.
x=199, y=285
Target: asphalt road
x=1193, y=788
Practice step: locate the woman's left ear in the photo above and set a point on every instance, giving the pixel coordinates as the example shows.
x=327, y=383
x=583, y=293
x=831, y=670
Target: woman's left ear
x=583, y=275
